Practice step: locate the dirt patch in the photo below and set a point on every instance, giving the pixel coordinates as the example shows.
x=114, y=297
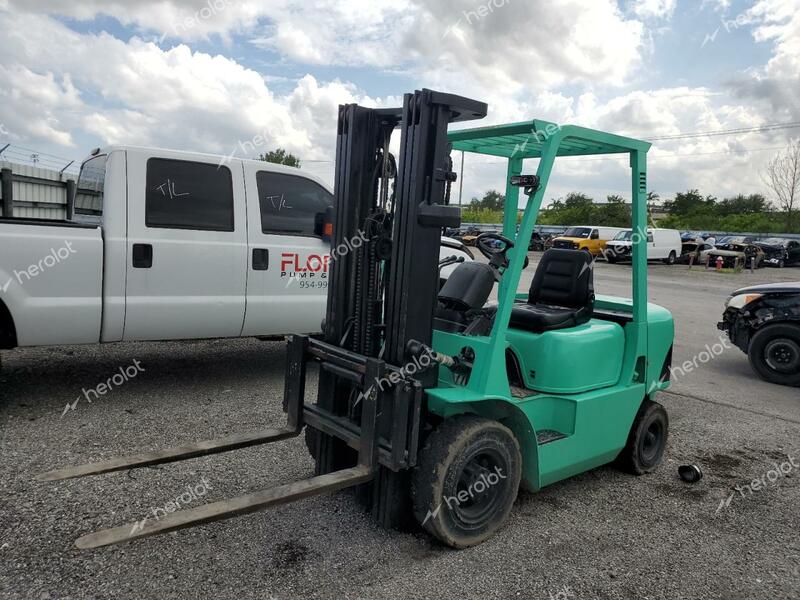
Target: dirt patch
x=290, y=556
x=722, y=466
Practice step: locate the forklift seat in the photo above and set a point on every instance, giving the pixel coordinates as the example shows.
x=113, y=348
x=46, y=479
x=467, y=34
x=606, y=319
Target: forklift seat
x=561, y=293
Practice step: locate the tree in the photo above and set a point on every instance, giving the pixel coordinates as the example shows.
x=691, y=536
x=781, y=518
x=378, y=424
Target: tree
x=743, y=205
x=686, y=203
x=492, y=200
x=782, y=176
x=470, y=214
x=281, y=157
x=614, y=213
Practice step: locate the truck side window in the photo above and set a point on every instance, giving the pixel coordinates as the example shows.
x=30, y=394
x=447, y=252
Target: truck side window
x=182, y=194
x=650, y=237
x=91, y=183
x=290, y=204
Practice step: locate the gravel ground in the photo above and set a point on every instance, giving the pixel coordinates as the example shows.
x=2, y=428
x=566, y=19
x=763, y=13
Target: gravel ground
x=599, y=535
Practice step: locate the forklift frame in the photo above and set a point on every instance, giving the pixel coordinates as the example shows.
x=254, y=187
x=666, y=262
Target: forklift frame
x=648, y=328
x=367, y=436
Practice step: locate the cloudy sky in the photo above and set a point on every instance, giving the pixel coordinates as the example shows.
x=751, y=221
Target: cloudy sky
x=205, y=76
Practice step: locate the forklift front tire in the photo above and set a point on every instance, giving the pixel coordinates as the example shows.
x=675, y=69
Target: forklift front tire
x=312, y=441
x=466, y=480
x=647, y=440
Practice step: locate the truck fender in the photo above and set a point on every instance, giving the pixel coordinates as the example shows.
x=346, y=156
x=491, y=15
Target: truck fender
x=8, y=331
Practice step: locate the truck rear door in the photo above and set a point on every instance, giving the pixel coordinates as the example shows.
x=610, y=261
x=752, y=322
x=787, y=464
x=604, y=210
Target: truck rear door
x=187, y=244
x=287, y=259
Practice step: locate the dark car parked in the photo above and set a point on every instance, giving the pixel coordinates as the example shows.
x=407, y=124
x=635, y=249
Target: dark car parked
x=536, y=243
x=737, y=254
x=764, y=322
x=780, y=252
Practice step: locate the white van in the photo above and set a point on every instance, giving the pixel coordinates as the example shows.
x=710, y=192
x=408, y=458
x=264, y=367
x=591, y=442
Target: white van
x=662, y=244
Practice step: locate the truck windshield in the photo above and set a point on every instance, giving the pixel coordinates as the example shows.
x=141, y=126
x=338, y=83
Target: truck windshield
x=91, y=182
x=624, y=236
x=578, y=232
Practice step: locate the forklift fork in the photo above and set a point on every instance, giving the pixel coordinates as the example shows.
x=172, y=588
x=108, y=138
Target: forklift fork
x=294, y=392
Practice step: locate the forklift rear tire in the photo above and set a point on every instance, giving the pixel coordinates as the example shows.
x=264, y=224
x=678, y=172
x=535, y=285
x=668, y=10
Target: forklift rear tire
x=466, y=481
x=647, y=440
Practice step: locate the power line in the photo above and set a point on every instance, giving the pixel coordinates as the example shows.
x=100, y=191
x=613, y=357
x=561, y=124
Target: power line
x=652, y=157
x=718, y=132
x=60, y=160
x=681, y=136
x=66, y=160
x=29, y=156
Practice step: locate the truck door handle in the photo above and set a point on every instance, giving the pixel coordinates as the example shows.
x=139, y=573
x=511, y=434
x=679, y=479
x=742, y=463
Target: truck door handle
x=142, y=256
x=260, y=259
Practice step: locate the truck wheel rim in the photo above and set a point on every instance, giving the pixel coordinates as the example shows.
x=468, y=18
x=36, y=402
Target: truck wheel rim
x=783, y=355
x=483, y=487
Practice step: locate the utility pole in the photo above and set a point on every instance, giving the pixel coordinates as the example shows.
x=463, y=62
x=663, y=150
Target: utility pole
x=461, y=179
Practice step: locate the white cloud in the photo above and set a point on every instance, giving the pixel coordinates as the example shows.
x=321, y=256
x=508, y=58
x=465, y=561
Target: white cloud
x=38, y=105
x=543, y=43
x=715, y=164
x=137, y=93
x=659, y=9
x=68, y=84
x=177, y=19
x=776, y=85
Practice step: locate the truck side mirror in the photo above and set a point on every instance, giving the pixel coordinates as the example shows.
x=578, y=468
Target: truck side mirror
x=323, y=224
x=595, y=235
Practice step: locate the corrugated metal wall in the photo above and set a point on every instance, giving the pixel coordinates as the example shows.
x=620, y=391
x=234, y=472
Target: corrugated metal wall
x=38, y=200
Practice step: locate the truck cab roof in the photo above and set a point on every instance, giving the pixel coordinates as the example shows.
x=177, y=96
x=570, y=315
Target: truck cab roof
x=204, y=157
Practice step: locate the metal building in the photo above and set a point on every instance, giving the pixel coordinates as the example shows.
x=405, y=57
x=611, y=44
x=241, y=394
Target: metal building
x=35, y=192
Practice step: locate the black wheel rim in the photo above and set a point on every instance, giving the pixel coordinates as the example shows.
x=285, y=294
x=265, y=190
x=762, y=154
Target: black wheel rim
x=782, y=355
x=479, y=490
x=652, y=441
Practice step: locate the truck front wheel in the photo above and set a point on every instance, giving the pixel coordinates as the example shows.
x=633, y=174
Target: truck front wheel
x=466, y=481
x=774, y=353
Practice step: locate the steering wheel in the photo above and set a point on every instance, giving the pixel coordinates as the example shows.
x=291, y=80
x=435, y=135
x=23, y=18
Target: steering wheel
x=489, y=251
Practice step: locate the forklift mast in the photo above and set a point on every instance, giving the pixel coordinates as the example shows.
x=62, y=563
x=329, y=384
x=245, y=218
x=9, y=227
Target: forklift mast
x=382, y=296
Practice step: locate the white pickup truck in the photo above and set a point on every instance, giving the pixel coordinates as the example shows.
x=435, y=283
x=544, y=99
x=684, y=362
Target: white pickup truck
x=171, y=245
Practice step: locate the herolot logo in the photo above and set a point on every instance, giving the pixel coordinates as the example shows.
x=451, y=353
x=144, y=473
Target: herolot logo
x=312, y=265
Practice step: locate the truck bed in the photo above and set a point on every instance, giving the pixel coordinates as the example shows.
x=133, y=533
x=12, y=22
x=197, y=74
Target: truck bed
x=51, y=280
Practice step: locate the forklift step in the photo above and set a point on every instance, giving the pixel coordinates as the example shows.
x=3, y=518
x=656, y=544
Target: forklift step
x=522, y=392
x=545, y=436
x=242, y=440
x=232, y=507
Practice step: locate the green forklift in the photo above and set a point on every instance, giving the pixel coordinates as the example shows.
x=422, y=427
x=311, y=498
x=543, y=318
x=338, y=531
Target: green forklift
x=434, y=403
